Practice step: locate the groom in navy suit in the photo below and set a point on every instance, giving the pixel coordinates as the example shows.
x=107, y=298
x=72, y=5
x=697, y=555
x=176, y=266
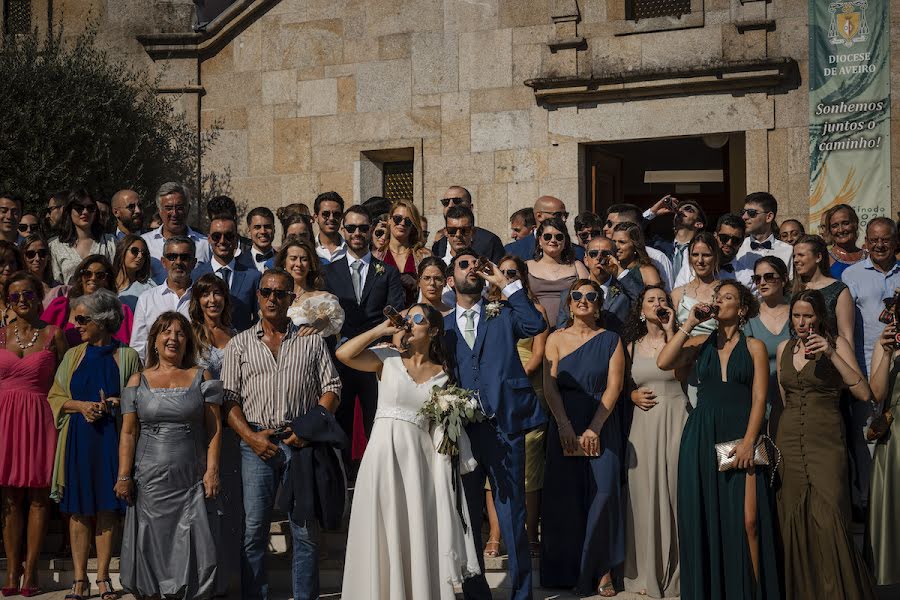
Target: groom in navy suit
x=482, y=337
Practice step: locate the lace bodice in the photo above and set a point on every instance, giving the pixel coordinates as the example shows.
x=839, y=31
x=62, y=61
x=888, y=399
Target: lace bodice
x=399, y=397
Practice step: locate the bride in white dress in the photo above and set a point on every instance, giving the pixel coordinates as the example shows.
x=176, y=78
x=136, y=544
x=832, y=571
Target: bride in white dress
x=407, y=540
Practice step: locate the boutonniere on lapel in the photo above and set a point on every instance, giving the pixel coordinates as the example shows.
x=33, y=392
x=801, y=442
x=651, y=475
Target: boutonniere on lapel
x=492, y=309
x=379, y=269
x=614, y=291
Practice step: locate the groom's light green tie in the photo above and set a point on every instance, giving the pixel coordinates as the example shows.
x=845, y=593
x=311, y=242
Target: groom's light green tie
x=469, y=331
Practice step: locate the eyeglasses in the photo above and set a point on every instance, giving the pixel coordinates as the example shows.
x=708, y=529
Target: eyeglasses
x=83, y=320
x=750, y=212
x=81, y=208
x=363, y=228
x=379, y=233
x=767, y=277
x=553, y=236
x=559, y=214
x=29, y=296
x=331, y=214
x=279, y=294
x=732, y=240
x=98, y=275
x=178, y=256
x=510, y=273
x=397, y=219
x=218, y=236
x=463, y=231
x=174, y=208
x=135, y=251
x=27, y=227
x=455, y=201
x=587, y=236
x=589, y=296
x=42, y=253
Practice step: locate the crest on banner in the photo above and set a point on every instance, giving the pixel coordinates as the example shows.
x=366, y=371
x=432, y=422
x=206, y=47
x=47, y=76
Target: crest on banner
x=848, y=23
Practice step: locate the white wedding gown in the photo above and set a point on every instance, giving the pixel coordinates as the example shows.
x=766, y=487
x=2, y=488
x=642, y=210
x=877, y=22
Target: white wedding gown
x=406, y=540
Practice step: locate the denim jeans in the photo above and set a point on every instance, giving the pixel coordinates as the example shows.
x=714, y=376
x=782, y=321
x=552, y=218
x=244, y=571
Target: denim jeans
x=260, y=484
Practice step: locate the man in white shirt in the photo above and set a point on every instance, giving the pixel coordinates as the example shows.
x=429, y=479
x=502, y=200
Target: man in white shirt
x=261, y=228
x=760, y=210
x=172, y=200
x=629, y=213
x=730, y=236
x=178, y=259
x=329, y=209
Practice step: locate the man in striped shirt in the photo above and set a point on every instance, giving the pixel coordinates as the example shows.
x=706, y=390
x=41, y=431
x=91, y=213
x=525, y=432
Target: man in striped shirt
x=271, y=376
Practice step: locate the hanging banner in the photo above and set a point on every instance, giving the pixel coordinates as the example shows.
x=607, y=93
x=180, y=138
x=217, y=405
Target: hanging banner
x=850, y=111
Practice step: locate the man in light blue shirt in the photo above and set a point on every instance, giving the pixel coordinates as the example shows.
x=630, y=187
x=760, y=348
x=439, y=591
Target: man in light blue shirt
x=173, y=202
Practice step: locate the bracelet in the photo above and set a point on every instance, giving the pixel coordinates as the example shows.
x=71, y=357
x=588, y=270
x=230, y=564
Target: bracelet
x=684, y=331
x=858, y=381
x=125, y=478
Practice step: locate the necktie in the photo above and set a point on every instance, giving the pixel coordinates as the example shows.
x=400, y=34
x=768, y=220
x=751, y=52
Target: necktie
x=469, y=331
x=767, y=245
x=678, y=259
x=356, y=276
x=225, y=275
x=265, y=257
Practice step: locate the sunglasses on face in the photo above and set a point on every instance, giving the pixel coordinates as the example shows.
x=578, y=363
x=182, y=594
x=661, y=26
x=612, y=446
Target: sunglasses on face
x=41, y=253
x=397, y=219
x=331, y=214
x=82, y=208
x=98, y=275
x=178, y=256
x=750, y=212
x=466, y=263
x=27, y=227
x=279, y=294
x=364, y=228
x=218, y=236
x=452, y=231
x=553, y=236
x=455, y=201
x=83, y=320
x=589, y=296
x=28, y=296
x=587, y=236
x=135, y=251
x=767, y=277
x=598, y=253
x=416, y=319
x=379, y=233
x=510, y=273
x=732, y=240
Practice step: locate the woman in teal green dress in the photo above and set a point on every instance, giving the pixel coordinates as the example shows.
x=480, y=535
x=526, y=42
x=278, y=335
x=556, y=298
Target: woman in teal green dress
x=725, y=519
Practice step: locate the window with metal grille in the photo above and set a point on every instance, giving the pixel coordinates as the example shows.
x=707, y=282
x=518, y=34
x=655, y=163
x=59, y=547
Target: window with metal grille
x=397, y=182
x=16, y=16
x=649, y=9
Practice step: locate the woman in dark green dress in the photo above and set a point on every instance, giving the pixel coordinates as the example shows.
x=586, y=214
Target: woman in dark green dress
x=725, y=519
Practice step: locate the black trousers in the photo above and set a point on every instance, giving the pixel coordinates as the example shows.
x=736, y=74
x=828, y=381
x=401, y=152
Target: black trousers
x=356, y=384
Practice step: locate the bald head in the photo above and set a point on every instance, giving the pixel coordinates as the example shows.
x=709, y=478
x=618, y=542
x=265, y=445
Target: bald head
x=549, y=206
x=456, y=195
x=126, y=208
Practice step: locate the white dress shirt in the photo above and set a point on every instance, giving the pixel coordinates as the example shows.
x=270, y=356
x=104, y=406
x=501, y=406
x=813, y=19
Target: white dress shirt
x=746, y=258
x=156, y=243
x=150, y=305
x=663, y=265
x=261, y=264
x=217, y=266
x=510, y=289
x=326, y=256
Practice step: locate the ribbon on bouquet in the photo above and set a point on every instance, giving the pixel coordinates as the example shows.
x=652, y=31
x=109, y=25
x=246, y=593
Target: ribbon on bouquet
x=457, y=491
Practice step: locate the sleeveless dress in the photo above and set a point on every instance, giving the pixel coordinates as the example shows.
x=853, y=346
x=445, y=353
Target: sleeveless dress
x=715, y=557
x=27, y=430
x=651, y=531
x=547, y=292
x=406, y=540
x=820, y=558
x=755, y=328
x=831, y=293
x=582, y=526
x=682, y=312
x=169, y=547
x=409, y=276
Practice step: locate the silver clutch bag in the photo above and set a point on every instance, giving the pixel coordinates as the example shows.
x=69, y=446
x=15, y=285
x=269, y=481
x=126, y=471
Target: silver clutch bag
x=761, y=456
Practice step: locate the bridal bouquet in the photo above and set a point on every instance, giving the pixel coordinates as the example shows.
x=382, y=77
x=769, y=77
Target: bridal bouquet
x=451, y=408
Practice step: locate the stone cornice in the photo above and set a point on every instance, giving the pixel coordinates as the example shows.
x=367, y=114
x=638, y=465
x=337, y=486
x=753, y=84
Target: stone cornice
x=770, y=75
x=215, y=35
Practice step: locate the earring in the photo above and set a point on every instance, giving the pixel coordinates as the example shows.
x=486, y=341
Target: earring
x=643, y=318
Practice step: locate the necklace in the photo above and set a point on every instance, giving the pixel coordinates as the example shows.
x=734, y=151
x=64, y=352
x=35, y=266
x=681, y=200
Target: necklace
x=34, y=338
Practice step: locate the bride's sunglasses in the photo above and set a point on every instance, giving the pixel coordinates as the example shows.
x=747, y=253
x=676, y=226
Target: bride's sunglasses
x=416, y=319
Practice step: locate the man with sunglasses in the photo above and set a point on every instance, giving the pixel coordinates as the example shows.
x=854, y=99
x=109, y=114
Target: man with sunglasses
x=174, y=293
x=173, y=202
x=483, y=241
x=588, y=225
x=242, y=280
x=53, y=218
x=329, y=210
x=363, y=285
x=126, y=208
x=759, y=212
x=544, y=208
x=730, y=235
x=487, y=361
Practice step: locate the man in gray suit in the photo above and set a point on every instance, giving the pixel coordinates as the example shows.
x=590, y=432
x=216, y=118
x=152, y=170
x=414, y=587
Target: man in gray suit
x=620, y=286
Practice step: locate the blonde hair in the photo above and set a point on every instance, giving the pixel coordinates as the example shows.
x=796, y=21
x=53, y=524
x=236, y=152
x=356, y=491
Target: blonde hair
x=415, y=238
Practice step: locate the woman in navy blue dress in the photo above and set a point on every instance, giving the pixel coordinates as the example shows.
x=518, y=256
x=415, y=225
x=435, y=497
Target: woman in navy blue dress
x=583, y=531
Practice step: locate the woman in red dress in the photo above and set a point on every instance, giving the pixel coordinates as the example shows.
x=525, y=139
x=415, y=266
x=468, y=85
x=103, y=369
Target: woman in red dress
x=406, y=246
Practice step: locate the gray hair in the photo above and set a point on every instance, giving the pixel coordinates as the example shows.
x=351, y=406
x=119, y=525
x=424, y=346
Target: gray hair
x=104, y=308
x=180, y=239
x=172, y=187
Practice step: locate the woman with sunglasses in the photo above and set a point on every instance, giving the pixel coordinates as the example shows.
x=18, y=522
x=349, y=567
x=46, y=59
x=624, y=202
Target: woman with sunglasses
x=841, y=229
x=29, y=225
x=82, y=235
x=726, y=527
x=11, y=262
x=654, y=439
x=631, y=250
x=433, y=284
x=554, y=267
x=406, y=246
x=583, y=378
x=381, y=236
x=314, y=311
x=531, y=353
x=36, y=252
x=772, y=325
x=812, y=272
x=93, y=273
x=132, y=268
x=31, y=349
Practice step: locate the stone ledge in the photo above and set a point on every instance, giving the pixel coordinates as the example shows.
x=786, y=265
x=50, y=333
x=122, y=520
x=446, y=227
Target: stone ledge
x=771, y=75
x=766, y=24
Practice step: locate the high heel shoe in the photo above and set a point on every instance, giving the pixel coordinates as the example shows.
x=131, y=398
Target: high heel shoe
x=28, y=592
x=11, y=591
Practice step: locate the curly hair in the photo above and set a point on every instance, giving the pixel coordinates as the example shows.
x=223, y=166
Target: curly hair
x=314, y=278
x=746, y=299
x=635, y=328
x=567, y=257
x=77, y=282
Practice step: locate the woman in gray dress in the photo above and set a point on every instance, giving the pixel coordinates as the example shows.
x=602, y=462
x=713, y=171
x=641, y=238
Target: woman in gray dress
x=169, y=469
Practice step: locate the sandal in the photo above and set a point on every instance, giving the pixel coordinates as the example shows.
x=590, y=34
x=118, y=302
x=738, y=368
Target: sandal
x=73, y=595
x=607, y=590
x=492, y=553
x=110, y=593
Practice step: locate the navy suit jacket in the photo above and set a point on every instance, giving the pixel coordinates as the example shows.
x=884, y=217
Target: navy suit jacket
x=493, y=367
x=381, y=287
x=244, y=283
x=616, y=305
x=524, y=248
x=484, y=243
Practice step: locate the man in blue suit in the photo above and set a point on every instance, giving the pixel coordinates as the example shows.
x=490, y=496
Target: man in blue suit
x=242, y=279
x=544, y=208
x=495, y=371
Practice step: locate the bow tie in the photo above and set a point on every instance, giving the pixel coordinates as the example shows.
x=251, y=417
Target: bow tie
x=767, y=245
x=265, y=257
x=729, y=268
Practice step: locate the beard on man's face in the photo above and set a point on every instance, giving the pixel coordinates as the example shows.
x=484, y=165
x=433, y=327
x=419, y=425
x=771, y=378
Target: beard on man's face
x=464, y=286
